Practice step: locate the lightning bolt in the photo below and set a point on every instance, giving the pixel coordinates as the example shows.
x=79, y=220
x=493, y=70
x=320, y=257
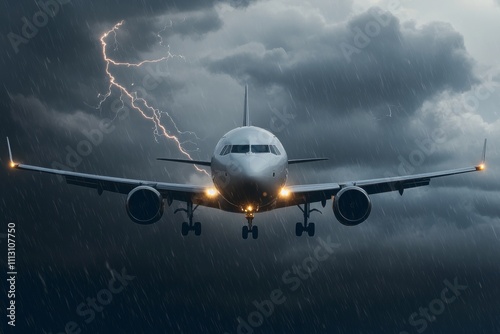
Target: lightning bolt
x=138, y=103
x=158, y=34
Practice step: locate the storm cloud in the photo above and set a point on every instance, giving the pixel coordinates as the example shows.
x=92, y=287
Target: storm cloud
x=354, y=66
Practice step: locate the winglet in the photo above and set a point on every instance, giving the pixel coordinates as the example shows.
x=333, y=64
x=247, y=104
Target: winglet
x=484, y=152
x=12, y=163
x=246, y=111
x=482, y=165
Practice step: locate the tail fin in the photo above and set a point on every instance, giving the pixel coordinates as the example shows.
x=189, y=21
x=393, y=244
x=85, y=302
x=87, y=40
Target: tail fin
x=246, y=112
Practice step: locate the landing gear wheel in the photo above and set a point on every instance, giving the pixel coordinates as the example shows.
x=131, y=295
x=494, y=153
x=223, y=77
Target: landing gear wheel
x=249, y=228
x=255, y=232
x=197, y=228
x=311, y=229
x=298, y=229
x=185, y=229
x=244, y=232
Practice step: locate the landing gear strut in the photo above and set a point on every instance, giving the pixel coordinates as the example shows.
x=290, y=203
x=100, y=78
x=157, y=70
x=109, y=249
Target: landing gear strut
x=252, y=229
x=302, y=227
x=186, y=227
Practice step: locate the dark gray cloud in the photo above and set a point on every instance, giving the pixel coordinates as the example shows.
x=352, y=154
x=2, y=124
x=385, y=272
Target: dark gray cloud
x=371, y=74
x=372, y=61
x=66, y=53
x=196, y=24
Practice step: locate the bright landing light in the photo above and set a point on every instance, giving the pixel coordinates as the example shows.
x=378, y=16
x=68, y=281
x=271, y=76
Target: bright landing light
x=482, y=166
x=12, y=164
x=211, y=192
x=284, y=192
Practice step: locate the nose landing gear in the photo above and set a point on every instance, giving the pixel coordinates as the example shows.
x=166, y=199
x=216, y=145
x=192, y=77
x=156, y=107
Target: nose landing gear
x=250, y=229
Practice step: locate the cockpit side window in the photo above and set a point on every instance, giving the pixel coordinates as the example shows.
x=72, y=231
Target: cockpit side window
x=274, y=150
x=260, y=148
x=240, y=148
x=226, y=150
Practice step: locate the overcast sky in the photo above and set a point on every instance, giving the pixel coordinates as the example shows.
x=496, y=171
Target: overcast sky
x=381, y=88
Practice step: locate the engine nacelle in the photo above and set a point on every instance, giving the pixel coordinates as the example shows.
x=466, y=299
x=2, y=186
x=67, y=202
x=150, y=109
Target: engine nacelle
x=352, y=206
x=144, y=205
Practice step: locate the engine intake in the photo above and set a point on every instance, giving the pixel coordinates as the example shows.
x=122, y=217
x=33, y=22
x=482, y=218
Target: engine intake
x=144, y=205
x=352, y=206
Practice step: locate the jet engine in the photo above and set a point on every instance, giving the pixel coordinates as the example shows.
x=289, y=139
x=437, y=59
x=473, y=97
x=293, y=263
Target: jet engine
x=144, y=205
x=351, y=206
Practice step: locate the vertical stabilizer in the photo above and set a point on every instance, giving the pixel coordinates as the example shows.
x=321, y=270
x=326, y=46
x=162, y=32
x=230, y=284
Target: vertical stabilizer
x=246, y=113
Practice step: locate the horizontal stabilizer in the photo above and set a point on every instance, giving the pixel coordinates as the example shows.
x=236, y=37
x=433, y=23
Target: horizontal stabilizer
x=298, y=161
x=194, y=162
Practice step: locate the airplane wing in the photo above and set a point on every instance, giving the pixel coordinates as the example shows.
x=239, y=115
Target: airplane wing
x=170, y=191
x=291, y=195
x=194, y=162
x=299, y=161
x=208, y=163
x=310, y=193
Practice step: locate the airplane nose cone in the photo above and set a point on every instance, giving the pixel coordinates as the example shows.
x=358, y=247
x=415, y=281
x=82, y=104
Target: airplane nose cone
x=254, y=167
x=250, y=181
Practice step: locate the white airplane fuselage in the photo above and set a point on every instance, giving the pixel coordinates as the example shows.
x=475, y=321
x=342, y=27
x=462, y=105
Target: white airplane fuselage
x=249, y=168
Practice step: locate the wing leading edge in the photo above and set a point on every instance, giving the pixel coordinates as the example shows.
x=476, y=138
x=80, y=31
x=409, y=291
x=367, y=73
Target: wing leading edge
x=293, y=195
x=310, y=193
x=170, y=191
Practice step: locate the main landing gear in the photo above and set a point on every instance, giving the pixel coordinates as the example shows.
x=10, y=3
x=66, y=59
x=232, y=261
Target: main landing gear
x=254, y=230
x=186, y=227
x=303, y=227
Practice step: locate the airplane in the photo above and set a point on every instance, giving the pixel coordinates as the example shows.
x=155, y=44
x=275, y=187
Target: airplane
x=249, y=170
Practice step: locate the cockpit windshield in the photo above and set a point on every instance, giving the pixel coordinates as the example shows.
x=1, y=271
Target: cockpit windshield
x=240, y=149
x=260, y=148
x=250, y=148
